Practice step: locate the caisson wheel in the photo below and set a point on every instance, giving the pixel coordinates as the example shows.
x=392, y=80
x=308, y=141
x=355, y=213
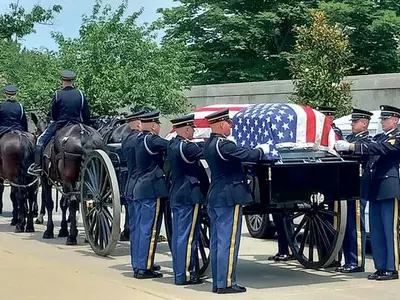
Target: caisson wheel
x=315, y=232
x=260, y=226
x=100, y=203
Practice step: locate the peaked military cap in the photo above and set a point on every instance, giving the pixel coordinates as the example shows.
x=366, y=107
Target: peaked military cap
x=68, y=75
x=135, y=116
x=326, y=110
x=10, y=89
x=153, y=116
x=183, y=121
x=388, y=111
x=360, y=114
x=218, y=116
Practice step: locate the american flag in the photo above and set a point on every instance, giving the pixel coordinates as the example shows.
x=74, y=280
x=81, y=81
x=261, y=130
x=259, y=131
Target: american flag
x=282, y=126
x=203, y=129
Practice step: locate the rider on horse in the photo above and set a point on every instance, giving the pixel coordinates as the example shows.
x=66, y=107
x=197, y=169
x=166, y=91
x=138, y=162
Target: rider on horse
x=12, y=114
x=69, y=106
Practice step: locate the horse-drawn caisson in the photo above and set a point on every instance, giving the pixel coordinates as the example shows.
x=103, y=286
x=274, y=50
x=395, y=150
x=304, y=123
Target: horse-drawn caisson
x=302, y=178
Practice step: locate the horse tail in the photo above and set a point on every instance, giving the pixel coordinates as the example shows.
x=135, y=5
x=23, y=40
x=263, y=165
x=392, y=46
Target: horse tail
x=26, y=156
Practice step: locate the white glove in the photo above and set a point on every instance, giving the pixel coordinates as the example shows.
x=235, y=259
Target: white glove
x=342, y=145
x=264, y=148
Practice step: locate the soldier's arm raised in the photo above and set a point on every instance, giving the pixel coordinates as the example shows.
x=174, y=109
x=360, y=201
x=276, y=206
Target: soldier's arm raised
x=377, y=148
x=192, y=151
x=155, y=143
x=229, y=150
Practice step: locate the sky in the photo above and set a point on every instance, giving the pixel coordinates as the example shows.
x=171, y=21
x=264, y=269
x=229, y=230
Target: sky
x=69, y=19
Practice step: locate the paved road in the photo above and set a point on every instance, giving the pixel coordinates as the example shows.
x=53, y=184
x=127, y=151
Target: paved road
x=37, y=269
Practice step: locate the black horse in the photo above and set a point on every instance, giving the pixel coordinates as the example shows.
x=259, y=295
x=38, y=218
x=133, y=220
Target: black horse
x=16, y=155
x=63, y=157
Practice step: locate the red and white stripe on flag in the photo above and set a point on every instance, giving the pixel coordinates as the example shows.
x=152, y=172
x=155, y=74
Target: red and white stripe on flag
x=203, y=128
x=313, y=127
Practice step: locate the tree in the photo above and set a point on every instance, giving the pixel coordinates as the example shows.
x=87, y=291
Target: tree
x=236, y=41
x=19, y=23
x=119, y=64
x=321, y=60
x=374, y=31
x=36, y=73
x=246, y=40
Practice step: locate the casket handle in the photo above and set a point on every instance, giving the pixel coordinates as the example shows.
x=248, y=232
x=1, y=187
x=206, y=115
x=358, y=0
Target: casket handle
x=311, y=160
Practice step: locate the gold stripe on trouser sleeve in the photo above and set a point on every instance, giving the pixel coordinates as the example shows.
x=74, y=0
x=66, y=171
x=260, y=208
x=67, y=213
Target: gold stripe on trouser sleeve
x=232, y=247
x=396, y=233
x=190, y=241
x=358, y=232
x=153, y=236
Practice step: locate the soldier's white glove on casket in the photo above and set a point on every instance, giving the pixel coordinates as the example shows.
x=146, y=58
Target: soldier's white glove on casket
x=263, y=147
x=342, y=145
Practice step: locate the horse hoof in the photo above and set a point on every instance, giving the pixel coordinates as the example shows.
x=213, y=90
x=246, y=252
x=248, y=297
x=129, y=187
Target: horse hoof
x=30, y=229
x=71, y=241
x=48, y=235
x=13, y=222
x=19, y=229
x=63, y=233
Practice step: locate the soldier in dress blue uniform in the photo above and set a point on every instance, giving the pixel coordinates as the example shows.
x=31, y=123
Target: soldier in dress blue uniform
x=186, y=199
x=128, y=153
x=149, y=191
x=355, y=236
x=12, y=113
x=330, y=112
x=228, y=192
x=380, y=185
x=68, y=106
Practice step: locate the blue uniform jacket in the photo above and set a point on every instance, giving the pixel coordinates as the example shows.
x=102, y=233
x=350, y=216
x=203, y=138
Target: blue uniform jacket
x=69, y=105
x=149, y=153
x=183, y=157
x=13, y=116
x=228, y=181
x=362, y=137
x=381, y=177
x=128, y=152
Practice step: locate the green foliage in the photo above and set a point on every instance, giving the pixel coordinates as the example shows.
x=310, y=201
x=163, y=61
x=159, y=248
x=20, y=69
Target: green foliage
x=246, y=40
x=319, y=64
x=373, y=28
x=18, y=23
x=236, y=41
x=119, y=64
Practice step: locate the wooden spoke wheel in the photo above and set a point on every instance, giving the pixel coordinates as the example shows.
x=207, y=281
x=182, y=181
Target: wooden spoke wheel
x=315, y=232
x=100, y=203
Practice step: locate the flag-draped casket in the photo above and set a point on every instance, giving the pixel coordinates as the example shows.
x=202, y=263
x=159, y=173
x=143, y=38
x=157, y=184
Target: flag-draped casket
x=278, y=125
x=283, y=125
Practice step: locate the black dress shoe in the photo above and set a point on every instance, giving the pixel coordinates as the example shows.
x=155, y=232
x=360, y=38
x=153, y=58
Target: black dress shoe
x=192, y=281
x=232, y=289
x=350, y=269
x=214, y=289
x=281, y=257
x=147, y=274
x=374, y=276
x=388, y=275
